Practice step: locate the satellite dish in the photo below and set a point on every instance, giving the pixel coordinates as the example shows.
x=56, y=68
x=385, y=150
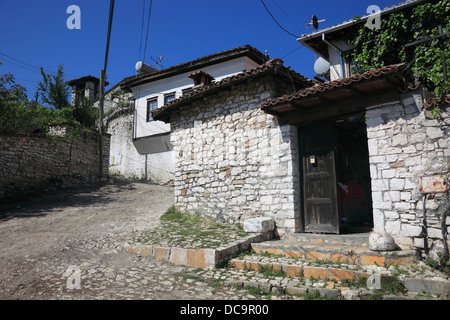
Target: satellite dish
x=321, y=66
x=315, y=22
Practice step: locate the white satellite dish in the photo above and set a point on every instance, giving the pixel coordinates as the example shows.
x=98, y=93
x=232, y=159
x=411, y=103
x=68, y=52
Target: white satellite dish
x=321, y=66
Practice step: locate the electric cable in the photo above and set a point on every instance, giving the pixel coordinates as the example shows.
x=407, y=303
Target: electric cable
x=148, y=24
x=277, y=21
x=142, y=30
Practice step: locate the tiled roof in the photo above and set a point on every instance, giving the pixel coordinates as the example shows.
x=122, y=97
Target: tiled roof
x=218, y=57
x=271, y=66
x=435, y=102
x=344, y=24
x=332, y=85
x=84, y=79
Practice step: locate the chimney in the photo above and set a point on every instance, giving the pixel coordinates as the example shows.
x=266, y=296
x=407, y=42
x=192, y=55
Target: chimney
x=201, y=79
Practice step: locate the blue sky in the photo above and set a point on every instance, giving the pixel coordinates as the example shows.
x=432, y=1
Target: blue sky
x=34, y=33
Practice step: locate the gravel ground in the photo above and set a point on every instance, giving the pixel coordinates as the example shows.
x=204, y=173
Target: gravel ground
x=46, y=238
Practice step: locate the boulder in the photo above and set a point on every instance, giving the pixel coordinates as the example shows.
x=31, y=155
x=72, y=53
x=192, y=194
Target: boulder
x=381, y=241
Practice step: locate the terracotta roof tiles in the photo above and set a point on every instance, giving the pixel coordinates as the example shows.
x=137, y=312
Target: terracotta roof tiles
x=329, y=86
x=273, y=65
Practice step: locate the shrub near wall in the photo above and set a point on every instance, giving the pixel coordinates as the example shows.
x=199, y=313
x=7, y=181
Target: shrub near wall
x=64, y=155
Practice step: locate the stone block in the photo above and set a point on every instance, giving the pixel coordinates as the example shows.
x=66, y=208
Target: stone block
x=178, y=256
x=428, y=286
x=294, y=254
x=293, y=288
x=434, y=133
x=316, y=273
x=195, y=258
x=292, y=271
x=146, y=251
x=367, y=260
x=339, y=274
x=318, y=256
x=161, y=253
x=412, y=230
x=259, y=225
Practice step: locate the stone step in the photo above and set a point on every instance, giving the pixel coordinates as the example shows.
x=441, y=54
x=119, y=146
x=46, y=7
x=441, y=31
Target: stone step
x=347, y=250
x=341, y=276
x=300, y=269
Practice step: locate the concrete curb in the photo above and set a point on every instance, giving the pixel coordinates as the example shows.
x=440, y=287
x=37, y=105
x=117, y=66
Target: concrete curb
x=198, y=258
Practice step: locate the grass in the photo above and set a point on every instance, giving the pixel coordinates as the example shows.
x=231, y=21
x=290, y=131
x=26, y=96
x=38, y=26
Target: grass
x=191, y=231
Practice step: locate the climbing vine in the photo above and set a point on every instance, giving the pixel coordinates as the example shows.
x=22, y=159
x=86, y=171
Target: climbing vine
x=385, y=46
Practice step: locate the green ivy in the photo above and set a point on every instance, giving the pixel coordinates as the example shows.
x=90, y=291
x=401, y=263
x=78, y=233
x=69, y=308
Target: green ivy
x=377, y=48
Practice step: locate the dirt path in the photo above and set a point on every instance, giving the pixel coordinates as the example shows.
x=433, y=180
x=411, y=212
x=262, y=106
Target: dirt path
x=47, y=234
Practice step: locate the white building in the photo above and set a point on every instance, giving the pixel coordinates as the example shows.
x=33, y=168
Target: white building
x=329, y=44
x=140, y=146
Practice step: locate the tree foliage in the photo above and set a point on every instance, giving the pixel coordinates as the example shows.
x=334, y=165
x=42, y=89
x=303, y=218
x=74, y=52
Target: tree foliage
x=53, y=89
x=18, y=115
x=384, y=46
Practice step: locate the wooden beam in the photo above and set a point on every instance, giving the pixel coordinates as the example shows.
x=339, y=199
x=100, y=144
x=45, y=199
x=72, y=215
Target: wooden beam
x=338, y=108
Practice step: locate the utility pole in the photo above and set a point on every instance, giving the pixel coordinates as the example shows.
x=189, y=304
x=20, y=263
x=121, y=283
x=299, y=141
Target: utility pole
x=102, y=86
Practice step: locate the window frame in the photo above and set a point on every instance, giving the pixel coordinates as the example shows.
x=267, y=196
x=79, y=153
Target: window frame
x=169, y=95
x=187, y=91
x=149, y=115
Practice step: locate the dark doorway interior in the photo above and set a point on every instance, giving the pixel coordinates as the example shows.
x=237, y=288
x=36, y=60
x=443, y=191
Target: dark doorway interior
x=335, y=186
x=353, y=175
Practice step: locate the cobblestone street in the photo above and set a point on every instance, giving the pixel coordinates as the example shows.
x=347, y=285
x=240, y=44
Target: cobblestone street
x=86, y=230
x=73, y=245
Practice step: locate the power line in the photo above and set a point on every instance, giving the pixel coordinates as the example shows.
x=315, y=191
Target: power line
x=277, y=21
x=148, y=24
x=142, y=29
x=29, y=66
x=290, y=19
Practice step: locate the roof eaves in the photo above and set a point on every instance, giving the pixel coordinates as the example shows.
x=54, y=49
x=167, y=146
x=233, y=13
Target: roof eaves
x=273, y=65
x=351, y=22
x=437, y=101
x=400, y=68
x=218, y=57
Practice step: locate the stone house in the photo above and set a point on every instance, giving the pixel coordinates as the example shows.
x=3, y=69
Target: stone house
x=140, y=145
x=270, y=143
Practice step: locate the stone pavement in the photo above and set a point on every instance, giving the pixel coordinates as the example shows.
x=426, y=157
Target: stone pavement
x=77, y=248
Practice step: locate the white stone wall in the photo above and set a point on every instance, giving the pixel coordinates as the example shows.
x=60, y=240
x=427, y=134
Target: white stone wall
x=405, y=145
x=233, y=161
x=126, y=161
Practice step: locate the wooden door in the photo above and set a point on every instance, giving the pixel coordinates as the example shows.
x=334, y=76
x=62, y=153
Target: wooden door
x=319, y=179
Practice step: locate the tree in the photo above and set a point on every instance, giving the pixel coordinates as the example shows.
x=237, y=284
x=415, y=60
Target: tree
x=53, y=89
x=18, y=114
x=377, y=48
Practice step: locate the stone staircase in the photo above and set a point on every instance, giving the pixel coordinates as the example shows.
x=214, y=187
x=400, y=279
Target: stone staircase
x=350, y=248
x=326, y=257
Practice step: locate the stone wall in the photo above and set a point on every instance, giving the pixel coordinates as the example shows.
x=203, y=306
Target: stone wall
x=233, y=161
x=63, y=157
x=404, y=145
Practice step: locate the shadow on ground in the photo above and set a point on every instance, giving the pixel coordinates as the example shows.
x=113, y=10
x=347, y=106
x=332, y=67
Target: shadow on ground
x=35, y=203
